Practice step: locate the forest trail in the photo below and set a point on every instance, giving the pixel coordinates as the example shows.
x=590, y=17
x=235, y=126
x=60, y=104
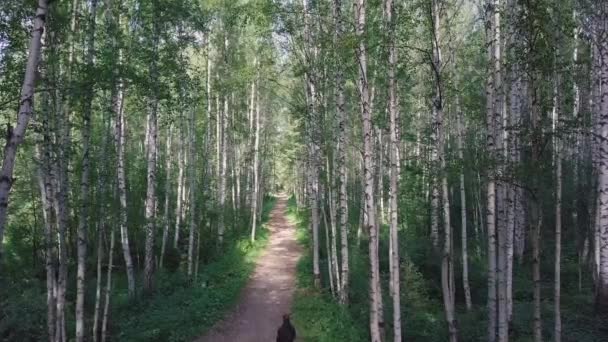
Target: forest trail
x=269, y=293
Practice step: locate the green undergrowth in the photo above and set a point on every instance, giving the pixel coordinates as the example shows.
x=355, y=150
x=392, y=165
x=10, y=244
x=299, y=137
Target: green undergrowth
x=181, y=310
x=316, y=315
x=319, y=317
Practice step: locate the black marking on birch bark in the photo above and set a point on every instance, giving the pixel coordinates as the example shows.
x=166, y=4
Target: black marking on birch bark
x=9, y=133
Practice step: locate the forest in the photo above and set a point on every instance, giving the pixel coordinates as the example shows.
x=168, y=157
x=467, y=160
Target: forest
x=438, y=169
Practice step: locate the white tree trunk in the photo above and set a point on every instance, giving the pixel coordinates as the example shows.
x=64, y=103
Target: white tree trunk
x=330, y=266
x=313, y=145
x=601, y=40
x=341, y=158
x=255, y=103
x=166, y=217
x=117, y=107
x=43, y=150
x=558, y=249
x=463, y=213
x=393, y=108
x=331, y=199
x=223, y=165
x=181, y=157
x=99, y=276
x=536, y=212
x=108, y=290
x=375, y=291
x=192, y=192
x=447, y=272
x=151, y=160
x=84, y=182
x=491, y=186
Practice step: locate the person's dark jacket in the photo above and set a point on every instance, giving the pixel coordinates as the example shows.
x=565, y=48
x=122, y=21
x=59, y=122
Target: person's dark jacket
x=286, y=332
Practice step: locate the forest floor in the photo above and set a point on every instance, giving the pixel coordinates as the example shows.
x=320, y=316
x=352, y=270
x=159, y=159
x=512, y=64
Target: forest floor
x=269, y=293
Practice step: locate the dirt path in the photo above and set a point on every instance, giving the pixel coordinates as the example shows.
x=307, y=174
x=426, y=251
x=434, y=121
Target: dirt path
x=269, y=293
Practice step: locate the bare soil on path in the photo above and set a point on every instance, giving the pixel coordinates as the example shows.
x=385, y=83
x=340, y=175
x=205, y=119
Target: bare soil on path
x=269, y=292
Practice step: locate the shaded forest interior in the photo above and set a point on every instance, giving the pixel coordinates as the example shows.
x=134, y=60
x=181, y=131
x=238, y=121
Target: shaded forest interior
x=447, y=162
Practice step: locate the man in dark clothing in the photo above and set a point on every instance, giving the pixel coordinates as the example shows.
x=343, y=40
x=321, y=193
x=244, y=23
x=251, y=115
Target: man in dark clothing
x=286, y=332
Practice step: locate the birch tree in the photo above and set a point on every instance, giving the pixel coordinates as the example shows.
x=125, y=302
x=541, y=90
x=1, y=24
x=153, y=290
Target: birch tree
x=394, y=170
x=84, y=182
x=375, y=291
x=341, y=155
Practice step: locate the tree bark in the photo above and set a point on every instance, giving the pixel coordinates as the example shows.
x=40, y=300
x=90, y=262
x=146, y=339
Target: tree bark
x=334, y=232
x=463, y=212
x=192, y=193
x=180, y=185
x=84, y=182
x=43, y=150
x=122, y=190
x=491, y=186
x=313, y=144
x=166, y=217
x=98, y=292
x=393, y=108
x=108, y=290
x=447, y=268
x=150, y=202
x=557, y=331
x=255, y=103
x=601, y=40
x=341, y=156
x=375, y=291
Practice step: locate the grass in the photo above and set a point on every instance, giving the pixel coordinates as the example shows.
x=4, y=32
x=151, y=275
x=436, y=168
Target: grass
x=180, y=310
x=319, y=317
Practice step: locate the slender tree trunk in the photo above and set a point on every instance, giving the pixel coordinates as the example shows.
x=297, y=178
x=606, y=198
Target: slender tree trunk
x=491, y=186
x=192, y=193
x=557, y=159
x=122, y=190
x=108, y=290
x=463, y=213
x=166, y=217
x=46, y=195
x=150, y=202
x=537, y=322
x=180, y=185
x=255, y=103
x=447, y=274
x=332, y=221
x=341, y=158
x=602, y=49
x=536, y=210
x=314, y=147
x=380, y=173
x=84, y=182
x=558, y=249
x=501, y=186
x=61, y=190
x=98, y=292
x=394, y=263
x=375, y=291
x=198, y=254
x=330, y=266
x=393, y=108
x=223, y=171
